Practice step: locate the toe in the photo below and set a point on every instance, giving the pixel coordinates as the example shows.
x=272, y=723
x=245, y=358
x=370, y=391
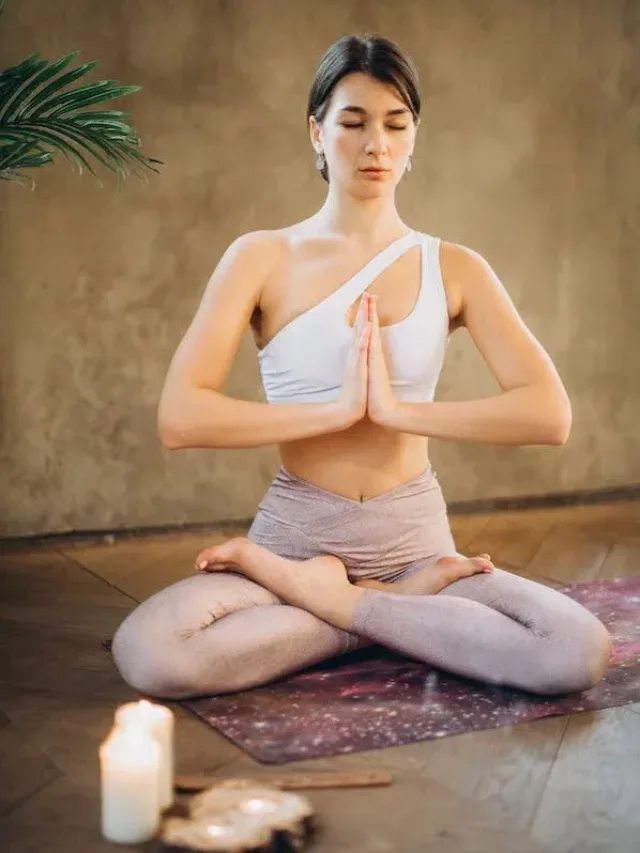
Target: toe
x=206, y=558
x=482, y=563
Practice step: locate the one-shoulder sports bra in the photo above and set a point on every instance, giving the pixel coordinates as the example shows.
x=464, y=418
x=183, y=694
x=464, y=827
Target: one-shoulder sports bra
x=304, y=362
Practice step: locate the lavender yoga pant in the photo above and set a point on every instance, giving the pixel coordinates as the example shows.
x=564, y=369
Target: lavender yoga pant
x=221, y=632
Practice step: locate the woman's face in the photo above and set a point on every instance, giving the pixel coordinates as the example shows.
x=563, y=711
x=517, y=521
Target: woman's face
x=368, y=125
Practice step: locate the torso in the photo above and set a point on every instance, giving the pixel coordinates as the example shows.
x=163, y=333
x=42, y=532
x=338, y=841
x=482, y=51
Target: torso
x=364, y=460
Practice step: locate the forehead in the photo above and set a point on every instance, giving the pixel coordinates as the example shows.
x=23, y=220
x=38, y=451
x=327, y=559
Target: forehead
x=363, y=91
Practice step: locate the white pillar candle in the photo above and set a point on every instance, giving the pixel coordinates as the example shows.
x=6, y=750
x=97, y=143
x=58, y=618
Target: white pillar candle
x=158, y=719
x=129, y=773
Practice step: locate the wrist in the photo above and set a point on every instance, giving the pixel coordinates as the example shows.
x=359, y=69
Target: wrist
x=341, y=417
x=387, y=416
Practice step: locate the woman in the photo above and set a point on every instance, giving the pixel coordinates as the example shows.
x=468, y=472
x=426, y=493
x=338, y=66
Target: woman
x=351, y=310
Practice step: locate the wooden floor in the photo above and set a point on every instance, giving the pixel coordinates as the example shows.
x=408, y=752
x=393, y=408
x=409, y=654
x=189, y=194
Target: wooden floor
x=569, y=784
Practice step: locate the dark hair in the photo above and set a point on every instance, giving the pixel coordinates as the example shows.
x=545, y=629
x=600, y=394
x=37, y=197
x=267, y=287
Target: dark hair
x=376, y=56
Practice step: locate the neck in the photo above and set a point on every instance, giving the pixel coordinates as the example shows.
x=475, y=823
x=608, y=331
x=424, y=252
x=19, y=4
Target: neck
x=363, y=221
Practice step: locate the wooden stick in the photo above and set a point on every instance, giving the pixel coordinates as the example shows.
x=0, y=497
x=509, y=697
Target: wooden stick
x=293, y=781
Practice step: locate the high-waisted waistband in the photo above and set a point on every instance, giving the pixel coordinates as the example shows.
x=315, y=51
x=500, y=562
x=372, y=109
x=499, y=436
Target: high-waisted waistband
x=382, y=537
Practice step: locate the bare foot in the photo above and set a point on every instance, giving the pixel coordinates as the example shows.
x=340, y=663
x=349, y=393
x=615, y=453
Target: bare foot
x=434, y=578
x=319, y=585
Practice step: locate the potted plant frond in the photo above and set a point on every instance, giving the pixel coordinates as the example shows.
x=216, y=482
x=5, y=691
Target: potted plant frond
x=42, y=114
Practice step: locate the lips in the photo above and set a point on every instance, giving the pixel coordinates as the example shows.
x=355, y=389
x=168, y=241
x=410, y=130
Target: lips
x=375, y=170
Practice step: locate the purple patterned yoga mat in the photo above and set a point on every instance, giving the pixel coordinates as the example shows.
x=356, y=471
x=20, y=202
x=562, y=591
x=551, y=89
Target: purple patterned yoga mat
x=374, y=698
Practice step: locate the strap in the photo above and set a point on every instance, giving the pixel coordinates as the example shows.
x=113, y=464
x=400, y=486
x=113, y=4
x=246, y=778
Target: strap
x=355, y=286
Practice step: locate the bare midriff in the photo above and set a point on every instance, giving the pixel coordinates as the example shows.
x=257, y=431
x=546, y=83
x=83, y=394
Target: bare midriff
x=359, y=463
x=366, y=459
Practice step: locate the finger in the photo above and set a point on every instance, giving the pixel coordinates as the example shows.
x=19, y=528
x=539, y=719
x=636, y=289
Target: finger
x=364, y=340
x=361, y=321
x=375, y=324
x=369, y=305
x=363, y=313
x=373, y=308
x=372, y=342
x=362, y=367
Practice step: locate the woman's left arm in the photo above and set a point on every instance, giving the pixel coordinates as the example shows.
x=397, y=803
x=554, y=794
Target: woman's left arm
x=533, y=407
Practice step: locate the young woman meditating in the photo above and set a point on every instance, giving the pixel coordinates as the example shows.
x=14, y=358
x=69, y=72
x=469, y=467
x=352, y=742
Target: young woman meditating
x=351, y=311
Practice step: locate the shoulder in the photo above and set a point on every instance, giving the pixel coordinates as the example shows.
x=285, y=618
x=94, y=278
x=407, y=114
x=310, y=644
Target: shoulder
x=465, y=273
x=264, y=247
x=460, y=262
x=251, y=259
x=272, y=252
x=473, y=282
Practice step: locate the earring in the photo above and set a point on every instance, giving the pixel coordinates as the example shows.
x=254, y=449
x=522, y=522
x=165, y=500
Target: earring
x=409, y=164
x=320, y=161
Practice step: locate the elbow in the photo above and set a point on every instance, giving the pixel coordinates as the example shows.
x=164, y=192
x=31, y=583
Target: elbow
x=558, y=427
x=172, y=434
x=171, y=438
x=558, y=435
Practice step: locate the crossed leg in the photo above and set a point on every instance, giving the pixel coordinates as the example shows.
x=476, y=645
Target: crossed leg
x=495, y=627
x=219, y=632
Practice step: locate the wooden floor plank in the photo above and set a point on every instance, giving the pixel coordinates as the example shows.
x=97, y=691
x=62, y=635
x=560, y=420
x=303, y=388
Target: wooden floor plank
x=623, y=560
x=61, y=817
x=59, y=661
x=140, y=569
x=511, y=539
x=569, y=555
x=591, y=800
x=49, y=578
x=466, y=527
x=504, y=770
x=413, y=815
x=24, y=769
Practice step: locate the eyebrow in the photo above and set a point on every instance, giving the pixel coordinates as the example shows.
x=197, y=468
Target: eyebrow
x=362, y=111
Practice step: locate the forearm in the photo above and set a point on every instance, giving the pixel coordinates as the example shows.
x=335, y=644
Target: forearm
x=521, y=416
x=201, y=418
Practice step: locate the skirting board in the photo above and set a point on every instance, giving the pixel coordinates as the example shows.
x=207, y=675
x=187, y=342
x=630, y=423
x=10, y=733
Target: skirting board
x=484, y=505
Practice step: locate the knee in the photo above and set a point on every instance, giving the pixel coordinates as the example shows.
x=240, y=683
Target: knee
x=578, y=661
x=165, y=666
x=145, y=664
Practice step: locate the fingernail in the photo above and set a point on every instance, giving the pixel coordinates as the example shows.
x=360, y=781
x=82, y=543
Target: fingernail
x=202, y=565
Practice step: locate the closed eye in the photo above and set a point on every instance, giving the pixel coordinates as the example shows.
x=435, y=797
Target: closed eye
x=390, y=127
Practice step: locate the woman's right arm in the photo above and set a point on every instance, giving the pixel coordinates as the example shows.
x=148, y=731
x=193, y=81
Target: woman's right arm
x=193, y=413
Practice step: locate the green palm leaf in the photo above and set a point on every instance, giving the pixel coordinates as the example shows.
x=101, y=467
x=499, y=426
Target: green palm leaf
x=40, y=116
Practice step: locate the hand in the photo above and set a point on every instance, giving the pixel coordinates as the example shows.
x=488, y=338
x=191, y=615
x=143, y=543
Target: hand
x=352, y=398
x=380, y=402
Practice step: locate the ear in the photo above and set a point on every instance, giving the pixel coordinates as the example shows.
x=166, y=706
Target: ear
x=315, y=134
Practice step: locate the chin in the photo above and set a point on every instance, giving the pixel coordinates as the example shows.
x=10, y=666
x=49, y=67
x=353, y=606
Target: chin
x=372, y=189
x=365, y=193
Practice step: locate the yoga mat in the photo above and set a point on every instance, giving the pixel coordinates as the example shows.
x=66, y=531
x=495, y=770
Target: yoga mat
x=374, y=698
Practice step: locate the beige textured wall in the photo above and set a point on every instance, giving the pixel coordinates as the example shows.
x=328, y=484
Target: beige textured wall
x=528, y=152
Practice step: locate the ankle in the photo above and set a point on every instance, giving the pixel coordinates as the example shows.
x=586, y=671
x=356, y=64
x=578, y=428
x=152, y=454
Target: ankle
x=240, y=547
x=338, y=610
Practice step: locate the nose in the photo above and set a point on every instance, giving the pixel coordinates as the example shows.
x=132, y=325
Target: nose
x=377, y=142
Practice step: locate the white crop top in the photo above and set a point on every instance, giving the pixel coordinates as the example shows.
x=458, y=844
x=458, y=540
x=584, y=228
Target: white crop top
x=304, y=362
